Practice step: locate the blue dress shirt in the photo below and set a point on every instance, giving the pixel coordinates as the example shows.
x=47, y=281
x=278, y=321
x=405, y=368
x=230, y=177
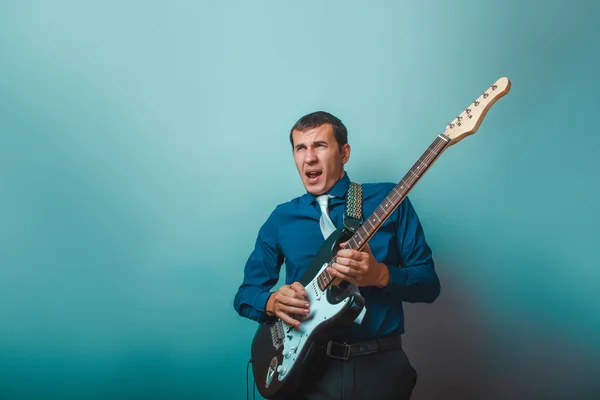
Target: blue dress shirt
x=292, y=235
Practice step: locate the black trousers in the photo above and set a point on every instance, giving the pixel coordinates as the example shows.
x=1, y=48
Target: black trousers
x=384, y=375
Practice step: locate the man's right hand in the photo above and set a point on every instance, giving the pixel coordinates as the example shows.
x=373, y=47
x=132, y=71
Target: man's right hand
x=287, y=301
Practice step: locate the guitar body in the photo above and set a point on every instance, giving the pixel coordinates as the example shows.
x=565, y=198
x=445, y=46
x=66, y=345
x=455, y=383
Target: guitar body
x=280, y=352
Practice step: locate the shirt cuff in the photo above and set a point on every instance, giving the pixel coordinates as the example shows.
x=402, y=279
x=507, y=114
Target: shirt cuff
x=260, y=303
x=398, y=276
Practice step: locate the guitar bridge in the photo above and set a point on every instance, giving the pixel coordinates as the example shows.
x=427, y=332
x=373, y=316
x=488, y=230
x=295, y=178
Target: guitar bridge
x=277, y=334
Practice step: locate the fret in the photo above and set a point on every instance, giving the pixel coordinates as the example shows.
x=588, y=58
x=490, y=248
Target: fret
x=361, y=240
x=431, y=151
x=422, y=163
x=366, y=233
x=371, y=223
x=352, y=243
x=358, y=233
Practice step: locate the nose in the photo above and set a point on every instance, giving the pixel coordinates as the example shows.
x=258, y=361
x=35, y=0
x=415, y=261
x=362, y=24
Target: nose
x=310, y=156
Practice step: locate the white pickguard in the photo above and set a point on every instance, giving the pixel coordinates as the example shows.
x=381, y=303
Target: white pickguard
x=295, y=337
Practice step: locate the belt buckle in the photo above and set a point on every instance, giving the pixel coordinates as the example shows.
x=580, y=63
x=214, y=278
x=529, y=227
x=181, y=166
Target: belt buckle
x=346, y=348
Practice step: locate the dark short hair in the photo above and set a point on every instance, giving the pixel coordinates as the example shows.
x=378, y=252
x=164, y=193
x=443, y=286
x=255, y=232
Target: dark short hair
x=318, y=118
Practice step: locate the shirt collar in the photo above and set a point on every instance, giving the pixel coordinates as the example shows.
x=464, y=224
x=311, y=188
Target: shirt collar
x=338, y=190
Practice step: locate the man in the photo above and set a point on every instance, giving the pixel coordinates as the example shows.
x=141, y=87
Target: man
x=395, y=266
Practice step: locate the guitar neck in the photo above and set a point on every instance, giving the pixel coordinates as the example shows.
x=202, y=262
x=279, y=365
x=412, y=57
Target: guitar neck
x=391, y=202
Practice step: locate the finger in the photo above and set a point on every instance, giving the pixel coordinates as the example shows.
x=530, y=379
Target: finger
x=293, y=302
x=354, y=254
x=294, y=310
x=344, y=269
x=343, y=276
x=288, y=291
x=349, y=253
x=287, y=319
x=349, y=262
x=297, y=286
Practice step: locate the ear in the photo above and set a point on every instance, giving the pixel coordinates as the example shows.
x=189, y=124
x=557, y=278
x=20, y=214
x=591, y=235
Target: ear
x=345, y=153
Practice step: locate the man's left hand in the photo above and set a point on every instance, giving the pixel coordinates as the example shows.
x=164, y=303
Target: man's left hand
x=360, y=268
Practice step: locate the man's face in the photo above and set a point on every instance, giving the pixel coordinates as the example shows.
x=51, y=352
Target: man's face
x=319, y=159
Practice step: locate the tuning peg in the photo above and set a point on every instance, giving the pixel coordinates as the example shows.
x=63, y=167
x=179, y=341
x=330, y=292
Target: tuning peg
x=484, y=94
x=494, y=87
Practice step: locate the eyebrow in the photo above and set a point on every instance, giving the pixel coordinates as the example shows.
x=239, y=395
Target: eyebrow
x=313, y=143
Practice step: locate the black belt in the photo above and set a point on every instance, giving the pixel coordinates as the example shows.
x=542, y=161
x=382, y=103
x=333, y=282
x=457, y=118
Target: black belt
x=343, y=351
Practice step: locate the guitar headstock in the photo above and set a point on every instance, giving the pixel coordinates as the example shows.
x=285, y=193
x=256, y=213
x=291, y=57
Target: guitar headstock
x=467, y=122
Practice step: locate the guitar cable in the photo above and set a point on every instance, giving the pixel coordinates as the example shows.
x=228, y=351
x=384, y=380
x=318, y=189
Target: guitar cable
x=253, y=385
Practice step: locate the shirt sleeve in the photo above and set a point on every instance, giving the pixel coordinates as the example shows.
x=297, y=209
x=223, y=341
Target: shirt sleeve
x=261, y=273
x=416, y=278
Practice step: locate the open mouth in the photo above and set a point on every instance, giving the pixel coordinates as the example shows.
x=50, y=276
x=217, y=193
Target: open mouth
x=313, y=176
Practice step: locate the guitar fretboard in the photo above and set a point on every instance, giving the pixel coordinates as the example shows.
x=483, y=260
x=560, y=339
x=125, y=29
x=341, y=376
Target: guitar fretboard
x=389, y=204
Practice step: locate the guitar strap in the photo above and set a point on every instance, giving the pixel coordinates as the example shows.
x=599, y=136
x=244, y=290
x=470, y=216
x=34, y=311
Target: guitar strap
x=353, y=216
x=353, y=219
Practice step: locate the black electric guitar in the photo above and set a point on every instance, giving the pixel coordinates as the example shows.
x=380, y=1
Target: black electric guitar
x=280, y=352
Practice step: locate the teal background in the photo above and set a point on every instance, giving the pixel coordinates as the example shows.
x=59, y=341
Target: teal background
x=142, y=145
